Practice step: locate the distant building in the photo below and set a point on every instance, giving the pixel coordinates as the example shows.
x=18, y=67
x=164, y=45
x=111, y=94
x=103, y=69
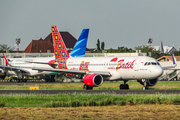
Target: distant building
x=168, y=58
x=164, y=49
x=46, y=45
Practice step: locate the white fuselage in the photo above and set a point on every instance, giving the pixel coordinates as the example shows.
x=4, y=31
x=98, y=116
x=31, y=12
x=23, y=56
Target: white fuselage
x=129, y=68
x=21, y=63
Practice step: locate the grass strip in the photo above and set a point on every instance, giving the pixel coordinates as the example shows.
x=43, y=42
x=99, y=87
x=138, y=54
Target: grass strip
x=76, y=100
x=133, y=85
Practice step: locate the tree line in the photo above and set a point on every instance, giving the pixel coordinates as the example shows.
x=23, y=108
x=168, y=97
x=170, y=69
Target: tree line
x=144, y=49
x=101, y=45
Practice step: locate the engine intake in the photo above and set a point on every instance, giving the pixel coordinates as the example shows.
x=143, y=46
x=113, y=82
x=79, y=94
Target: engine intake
x=150, y=82
x=2, y=74
x=93, y=80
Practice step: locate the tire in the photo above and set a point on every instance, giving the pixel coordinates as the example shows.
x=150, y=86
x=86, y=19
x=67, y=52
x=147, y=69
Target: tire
x=86, y=87
x=46, y=80
x=126, y=86
x=121, y=86
x=25, y=80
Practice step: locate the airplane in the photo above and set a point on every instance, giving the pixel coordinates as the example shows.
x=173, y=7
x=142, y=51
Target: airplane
x=95, y=70
x=23, y=66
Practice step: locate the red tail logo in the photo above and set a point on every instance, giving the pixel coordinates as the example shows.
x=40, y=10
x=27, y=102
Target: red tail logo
x=60, y=51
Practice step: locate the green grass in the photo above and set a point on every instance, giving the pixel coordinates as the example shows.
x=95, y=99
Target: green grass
x=161, y=85
x=76, y=100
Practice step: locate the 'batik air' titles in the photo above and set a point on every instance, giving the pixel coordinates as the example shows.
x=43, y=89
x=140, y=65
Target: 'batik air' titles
x=122, y=65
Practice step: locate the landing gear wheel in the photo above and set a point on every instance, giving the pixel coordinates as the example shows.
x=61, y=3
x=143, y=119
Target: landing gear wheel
x=121, y=86
x=124, y=86
x=25, y=80
x=18, y=80
x=53, y=80
x=86, y=87
x=145, y=88
x=46, y=80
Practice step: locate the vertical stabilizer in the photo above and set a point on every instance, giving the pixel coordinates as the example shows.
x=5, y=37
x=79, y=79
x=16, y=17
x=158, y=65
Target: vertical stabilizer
x=60, y=51
x=80, y=46
x=7, y=63
x=161, y=49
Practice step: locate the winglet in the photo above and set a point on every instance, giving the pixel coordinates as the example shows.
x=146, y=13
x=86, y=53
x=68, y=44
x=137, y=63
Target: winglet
x=79, y=49
x=5, y=59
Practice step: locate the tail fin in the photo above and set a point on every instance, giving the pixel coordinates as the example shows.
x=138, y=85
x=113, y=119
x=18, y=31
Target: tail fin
x=80, y=46
x=7, y=63
x=60, y=51
x=174, y=61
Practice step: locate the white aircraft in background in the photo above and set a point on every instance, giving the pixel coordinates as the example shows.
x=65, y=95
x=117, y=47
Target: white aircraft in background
x=23, y=66
x=95, y=70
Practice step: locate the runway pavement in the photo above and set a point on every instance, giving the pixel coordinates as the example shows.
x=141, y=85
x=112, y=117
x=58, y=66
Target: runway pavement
x=120, y=92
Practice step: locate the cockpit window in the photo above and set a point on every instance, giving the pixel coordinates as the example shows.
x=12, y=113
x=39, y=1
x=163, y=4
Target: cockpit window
x=151, y=63
x=154, y=63
x=157, y=62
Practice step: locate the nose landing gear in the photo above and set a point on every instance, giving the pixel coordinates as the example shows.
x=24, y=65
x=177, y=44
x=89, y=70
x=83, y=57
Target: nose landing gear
x=145, y=87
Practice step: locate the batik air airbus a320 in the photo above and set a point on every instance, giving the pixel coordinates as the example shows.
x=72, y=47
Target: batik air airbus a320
x=22, y=67
x=95, y=70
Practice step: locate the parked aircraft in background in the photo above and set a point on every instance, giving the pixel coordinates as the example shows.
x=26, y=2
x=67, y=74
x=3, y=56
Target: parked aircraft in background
x=23, y=66
x=95, y=70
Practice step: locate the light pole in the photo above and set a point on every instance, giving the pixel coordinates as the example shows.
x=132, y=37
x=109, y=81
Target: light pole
x=149, y=42
x=18, y=40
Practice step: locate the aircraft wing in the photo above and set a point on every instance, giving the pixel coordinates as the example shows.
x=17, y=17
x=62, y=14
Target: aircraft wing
x=169, y=67
x=13, y=68
x=173, y=66
x=73, y=71
x=42, y=63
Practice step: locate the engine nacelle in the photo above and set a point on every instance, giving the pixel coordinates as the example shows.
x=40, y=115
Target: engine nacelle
x=2, y=74
x=93, y=80
x=150, y=82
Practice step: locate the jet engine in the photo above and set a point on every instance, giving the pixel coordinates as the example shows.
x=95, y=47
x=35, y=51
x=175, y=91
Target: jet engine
x=149, y=82
x=93, y=80
x=2, y=74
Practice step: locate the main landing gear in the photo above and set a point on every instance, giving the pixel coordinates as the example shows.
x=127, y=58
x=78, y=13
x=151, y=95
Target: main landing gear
x=86, y=87
x=124, y=86
x=20, y=80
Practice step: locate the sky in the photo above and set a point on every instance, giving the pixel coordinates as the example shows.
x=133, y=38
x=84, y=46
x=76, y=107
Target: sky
x=128, y=23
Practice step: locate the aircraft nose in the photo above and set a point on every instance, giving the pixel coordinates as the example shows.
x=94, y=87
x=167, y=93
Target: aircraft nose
x=158, y=71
